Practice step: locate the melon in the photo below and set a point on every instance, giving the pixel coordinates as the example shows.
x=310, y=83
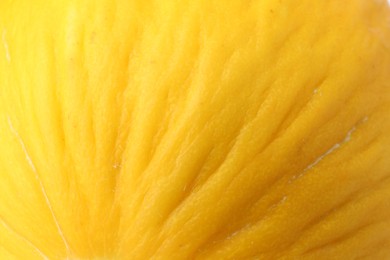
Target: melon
x=167, y=129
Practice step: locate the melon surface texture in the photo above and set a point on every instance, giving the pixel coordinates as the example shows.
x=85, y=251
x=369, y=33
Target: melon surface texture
x=208, y=129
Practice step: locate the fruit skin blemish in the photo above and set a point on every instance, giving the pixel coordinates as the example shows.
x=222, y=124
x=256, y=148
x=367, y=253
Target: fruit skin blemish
x=166, y=129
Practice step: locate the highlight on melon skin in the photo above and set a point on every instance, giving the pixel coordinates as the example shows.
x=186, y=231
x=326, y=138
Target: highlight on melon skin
x=209, y=129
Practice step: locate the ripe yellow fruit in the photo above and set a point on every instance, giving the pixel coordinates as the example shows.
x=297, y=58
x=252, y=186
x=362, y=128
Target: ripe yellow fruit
x=167, y=129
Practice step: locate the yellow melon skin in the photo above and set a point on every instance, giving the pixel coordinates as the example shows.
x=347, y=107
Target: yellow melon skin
x=167, y=129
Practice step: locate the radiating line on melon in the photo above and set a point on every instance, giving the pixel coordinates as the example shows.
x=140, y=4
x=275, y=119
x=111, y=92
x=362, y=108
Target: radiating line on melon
x=36, y=174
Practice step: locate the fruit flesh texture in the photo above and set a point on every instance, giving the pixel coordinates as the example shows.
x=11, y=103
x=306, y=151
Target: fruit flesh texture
x=194, y=129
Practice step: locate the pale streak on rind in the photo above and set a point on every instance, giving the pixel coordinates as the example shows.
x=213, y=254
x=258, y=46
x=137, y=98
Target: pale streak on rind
x=31, y=164
x=332, y=149
x=6, y=226
x=7, y=53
